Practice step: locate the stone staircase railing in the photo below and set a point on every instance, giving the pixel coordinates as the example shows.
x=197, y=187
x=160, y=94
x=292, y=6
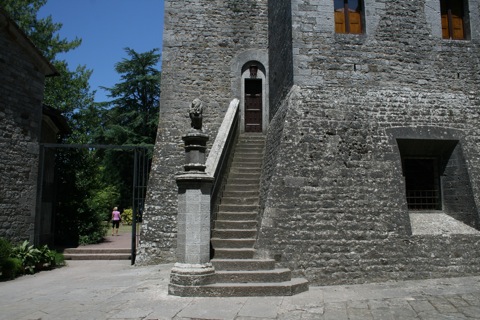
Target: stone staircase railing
x=220, y=154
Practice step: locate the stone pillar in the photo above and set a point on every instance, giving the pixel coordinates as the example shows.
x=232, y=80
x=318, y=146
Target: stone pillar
x=193, y=267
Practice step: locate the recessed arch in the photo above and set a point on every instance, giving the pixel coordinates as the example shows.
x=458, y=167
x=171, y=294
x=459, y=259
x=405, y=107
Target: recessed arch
x=253, y=99
x=251, y=87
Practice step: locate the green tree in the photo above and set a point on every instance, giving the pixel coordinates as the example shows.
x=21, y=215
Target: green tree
x=131, y=118
x=42, y=32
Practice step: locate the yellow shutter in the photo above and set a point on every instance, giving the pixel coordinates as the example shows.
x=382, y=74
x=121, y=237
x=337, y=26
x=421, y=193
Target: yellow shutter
x=339, y=21
x=457, y=24
x=445, y=34
x=355, y=22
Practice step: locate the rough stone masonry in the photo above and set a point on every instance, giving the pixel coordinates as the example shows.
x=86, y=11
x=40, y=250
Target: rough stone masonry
x=358, y=125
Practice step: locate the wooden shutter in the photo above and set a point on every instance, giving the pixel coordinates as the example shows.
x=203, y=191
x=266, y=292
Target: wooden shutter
x=457, y=27
x=340, y=21
x=355, y=22
x=445, y=34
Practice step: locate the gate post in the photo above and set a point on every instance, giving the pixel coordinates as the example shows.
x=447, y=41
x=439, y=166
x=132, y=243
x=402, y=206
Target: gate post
x=193, y=267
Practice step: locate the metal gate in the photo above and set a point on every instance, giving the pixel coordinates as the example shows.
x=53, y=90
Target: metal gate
x=140, y=178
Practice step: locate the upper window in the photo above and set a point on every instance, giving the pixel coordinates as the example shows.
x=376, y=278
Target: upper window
x=453, y=19
x=348, y=16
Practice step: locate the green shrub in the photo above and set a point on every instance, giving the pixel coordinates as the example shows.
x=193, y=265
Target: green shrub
x=35, y=259
x=92, y=228
x=47, y=257
x=5, y=250
x=127, y=215
x=59, y=259
x=25, y=258
x=28, y=255
x=92, y=238
x=11, y=268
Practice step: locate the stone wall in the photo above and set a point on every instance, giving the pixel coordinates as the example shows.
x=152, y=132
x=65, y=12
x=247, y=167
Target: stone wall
x=280, y=51
x=21, y=92
x=203, y=39
x=333, y=191
x=335, y=208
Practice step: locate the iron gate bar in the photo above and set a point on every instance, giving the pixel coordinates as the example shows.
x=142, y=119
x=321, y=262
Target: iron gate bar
x=139, y=180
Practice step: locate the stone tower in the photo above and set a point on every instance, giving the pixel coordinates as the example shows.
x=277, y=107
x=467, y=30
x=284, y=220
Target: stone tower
x=370, y=111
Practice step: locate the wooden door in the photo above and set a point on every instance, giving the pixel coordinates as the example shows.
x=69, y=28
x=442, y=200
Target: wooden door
x=253, y=105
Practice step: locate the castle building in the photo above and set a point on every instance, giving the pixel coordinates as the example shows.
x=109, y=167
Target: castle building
x=370, y=111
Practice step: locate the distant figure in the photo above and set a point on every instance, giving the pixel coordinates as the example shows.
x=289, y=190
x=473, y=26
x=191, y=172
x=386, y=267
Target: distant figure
x=195, y=111
x=116, y=219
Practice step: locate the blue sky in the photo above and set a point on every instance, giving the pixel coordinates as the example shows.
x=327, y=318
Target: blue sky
x=106, y=27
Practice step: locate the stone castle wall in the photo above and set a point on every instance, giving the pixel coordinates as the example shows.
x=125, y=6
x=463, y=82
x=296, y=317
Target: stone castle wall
x=333, y=191
x=335, y=208
x=21, y=92
x=205, y=44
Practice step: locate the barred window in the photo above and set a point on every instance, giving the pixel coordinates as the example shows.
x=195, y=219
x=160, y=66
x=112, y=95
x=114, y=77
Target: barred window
x=348, y=16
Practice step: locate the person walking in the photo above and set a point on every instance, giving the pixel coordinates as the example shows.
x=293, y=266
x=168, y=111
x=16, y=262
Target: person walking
x=116, y=219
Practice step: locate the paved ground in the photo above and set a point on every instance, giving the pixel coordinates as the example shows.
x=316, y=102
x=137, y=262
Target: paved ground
x=116, y=290
x=122, y=240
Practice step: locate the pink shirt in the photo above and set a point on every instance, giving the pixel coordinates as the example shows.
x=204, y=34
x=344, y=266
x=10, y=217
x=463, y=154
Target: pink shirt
x=116, y=215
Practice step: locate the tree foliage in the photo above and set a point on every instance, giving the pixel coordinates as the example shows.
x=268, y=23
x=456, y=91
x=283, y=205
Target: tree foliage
x=131, y=117
x=42, y=32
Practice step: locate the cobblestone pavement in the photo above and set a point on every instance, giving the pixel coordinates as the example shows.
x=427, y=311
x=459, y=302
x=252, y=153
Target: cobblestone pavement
x=116, y=290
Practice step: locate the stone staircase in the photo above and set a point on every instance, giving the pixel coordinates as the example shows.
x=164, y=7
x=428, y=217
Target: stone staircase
x=238, y=272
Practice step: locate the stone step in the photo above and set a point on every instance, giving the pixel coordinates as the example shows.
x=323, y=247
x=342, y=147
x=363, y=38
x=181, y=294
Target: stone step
x=243, y=264
x=251, y=159
x=225, y=215
x=86, y=253
x=97, y=256
x=245, y=174
x=256, y=170
x=238, y=208
x=247, y=165
x=243, y=181
x=248, y=154
x=249, y=141
x=275, y=275
x=81, y=250
x=234, y=233
x=235, y=224
x=249, y=149
x=286, y=288
x=218, y=243
x=241, y=187
x=240, y=193
x=234, y=253
x=249, y=138
x=239, y=201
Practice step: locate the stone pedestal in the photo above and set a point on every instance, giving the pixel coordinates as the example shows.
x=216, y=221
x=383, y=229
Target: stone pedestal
x=193, y=220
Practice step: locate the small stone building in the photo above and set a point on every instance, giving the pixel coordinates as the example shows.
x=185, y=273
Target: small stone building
x=22, y=77
x=371, y=114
